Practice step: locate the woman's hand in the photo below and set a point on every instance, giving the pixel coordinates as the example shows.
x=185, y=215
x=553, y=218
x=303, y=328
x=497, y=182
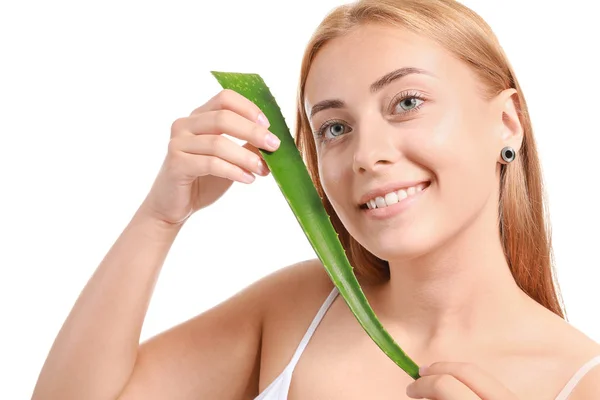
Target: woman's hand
x=201, y=163
x=457, y=381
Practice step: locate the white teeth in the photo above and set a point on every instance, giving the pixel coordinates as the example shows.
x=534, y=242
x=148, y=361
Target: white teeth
x=391, y=198
x=395, y=197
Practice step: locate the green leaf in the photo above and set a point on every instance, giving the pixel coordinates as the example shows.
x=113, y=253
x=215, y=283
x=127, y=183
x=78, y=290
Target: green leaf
x=290, y=173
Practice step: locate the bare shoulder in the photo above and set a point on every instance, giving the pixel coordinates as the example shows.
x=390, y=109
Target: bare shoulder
x=585, y=351
x=589, y=386
x=221, y=352
x=294, y=295
x=572, y=341
x=293, y=298
x=574, y=351
x=299, y=285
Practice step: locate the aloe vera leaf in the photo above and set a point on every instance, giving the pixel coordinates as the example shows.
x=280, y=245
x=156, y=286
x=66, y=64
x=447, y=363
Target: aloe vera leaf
x=290, y=173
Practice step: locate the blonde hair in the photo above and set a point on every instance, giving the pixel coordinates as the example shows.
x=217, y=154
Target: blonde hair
x=524, y=231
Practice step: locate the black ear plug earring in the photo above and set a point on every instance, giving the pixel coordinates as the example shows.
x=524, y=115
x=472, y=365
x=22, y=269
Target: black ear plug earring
x=508, y=154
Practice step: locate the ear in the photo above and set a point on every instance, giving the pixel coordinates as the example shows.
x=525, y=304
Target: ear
x=506, y=113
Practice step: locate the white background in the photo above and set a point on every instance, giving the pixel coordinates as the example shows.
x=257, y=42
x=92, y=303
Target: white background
x=88, y=91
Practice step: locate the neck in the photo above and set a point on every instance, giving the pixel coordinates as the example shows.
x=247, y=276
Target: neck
x=462, y=290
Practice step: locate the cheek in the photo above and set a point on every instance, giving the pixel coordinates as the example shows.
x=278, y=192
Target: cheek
x=455, y=147
x=436, y=144
x=331, y=175
x=454, y=142
x=336, y=176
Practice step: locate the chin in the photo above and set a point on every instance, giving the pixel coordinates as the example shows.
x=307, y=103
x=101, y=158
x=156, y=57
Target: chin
x=403, y=245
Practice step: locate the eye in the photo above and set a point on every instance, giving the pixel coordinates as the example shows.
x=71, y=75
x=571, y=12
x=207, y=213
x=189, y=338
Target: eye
x=331, y=130
x=406, y=102
x=336, y=129
x=409, y=103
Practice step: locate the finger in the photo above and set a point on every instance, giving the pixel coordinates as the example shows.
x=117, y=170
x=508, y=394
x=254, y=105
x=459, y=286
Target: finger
x=479, y=381
x=230, y=123
x=201, y=165
x=228, y=99
x=439, y=387
x=256, y=151
x=222, y=147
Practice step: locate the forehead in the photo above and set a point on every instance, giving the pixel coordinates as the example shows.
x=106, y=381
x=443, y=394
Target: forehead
x=352, y=62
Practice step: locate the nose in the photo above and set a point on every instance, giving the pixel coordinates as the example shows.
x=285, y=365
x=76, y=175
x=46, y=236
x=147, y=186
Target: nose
x=375, y=149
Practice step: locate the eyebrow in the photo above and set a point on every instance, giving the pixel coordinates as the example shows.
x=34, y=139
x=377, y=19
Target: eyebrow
x=374, y=88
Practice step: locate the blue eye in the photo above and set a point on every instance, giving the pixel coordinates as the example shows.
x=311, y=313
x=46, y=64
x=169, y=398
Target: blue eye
x=336, y=129
x=409, y=103
x=403, y=104
x=332, y=129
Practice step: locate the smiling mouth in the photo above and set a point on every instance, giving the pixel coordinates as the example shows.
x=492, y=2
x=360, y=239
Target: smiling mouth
x=394, y=197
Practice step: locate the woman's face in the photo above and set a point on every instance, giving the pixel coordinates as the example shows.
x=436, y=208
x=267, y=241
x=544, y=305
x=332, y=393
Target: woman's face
x=423, y=145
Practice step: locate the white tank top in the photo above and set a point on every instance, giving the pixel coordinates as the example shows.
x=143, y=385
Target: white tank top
x=278, y=389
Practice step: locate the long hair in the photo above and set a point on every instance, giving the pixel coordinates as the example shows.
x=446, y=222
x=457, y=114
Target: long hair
x=522, y=212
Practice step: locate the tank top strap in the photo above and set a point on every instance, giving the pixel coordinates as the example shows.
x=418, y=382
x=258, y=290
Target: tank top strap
x=311, y=329
x=572, y=383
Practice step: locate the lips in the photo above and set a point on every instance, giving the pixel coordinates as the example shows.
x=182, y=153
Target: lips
x=395, y=197
x=392, y=193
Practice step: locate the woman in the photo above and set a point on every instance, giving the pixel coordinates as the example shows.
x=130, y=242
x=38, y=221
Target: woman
x=416, y=133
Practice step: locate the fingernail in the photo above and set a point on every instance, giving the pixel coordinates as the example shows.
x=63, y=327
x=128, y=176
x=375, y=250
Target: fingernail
x=262, y=168
x=422, y=369
x=262, y=119
x=247, y=178
x=273, y=141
